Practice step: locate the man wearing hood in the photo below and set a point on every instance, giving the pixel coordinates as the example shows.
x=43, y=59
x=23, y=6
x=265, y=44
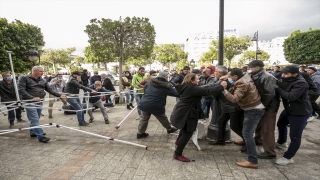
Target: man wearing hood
x=154, y=101
x=314, y=95
x=264, y=133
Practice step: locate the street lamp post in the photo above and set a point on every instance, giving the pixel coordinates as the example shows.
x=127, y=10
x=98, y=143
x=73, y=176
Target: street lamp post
x=256, y=39
x=33, y=56
x=192, y=63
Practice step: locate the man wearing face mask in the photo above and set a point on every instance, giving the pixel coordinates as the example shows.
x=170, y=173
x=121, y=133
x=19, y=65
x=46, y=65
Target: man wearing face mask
x=265, y=130
x=57, y=84
x=7, y=93
x=73, y=87
x=154, y=102
x=293, y=90
x=245, y=93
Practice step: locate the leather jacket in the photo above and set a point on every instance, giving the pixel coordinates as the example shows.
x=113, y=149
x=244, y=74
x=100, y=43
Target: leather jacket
x=73, y=86
x=244, y=92
x=30, y=87
x=265, y=83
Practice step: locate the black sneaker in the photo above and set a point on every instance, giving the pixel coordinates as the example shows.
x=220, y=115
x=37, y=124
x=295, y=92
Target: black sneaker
x=50, y=116
x=106, y=121
x=11, y=125
x=222, y=143
x=131, y=105
x=90, y=120
x=84, y=124
x=172, y=130
x=33, y=135
x=44, y=139
x=21, y=120
x=143, y=135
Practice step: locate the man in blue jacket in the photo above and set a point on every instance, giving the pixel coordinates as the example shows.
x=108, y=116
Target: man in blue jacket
x=95, y=100
x=293, y=90
x=154, y=101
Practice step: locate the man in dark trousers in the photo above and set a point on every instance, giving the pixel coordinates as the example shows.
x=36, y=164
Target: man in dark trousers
x=85, y=82
x=314, y=95
x=154, y=102
x=7, y=94
x=293, y=90
x=264, y=133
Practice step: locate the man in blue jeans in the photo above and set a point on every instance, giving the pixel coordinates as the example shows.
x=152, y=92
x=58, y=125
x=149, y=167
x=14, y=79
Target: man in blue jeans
x=31, y=87
x=72, y=88
x=293, y=90
x=245, y=93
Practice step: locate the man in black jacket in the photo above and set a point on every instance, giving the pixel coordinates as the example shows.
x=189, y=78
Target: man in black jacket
x=265, y=130
x=85, y=81
x=154, y=102
x=178, y=78
x=7, y=93
x=73, y=87
x=31, y=88
x=229, y=110
x=294, y=93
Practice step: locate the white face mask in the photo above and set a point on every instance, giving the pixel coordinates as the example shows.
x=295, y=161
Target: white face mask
x=249, y=71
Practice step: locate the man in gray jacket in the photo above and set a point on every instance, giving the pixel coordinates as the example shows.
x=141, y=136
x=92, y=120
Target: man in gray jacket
x=56, y=84
x=31, y=88
x=314, y=95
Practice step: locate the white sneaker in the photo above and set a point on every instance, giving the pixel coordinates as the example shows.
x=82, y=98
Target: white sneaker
x=281, y=146
x=284, y=161
x=311, y=118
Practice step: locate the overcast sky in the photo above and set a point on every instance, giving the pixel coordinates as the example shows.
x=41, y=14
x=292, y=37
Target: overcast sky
x=63, y=22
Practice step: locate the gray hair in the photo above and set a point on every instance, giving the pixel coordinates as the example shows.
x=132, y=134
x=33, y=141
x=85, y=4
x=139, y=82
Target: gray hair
x=36, y=68
x=97, y=82
x=4, y=73
x=103, y=76
x=222, y=69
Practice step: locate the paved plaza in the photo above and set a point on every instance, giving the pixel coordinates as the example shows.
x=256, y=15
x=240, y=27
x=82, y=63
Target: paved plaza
x=75, y=155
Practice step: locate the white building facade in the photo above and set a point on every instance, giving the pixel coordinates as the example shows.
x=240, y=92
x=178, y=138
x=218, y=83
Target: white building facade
x=198, y=43
x=273, y=47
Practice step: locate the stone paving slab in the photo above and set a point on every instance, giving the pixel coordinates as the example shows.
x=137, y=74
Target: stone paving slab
x=75, y=155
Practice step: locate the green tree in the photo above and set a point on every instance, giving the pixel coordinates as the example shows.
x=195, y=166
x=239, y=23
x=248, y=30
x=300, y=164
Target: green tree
x=18, y=37
x=112, y=40
x=250, y=55
x=209, y=56
x=56, y=57
x=181, y=64
x=169, y=53
x=232, y=46
x=303, y=47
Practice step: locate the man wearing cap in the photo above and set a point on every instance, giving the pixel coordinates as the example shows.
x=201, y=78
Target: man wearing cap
x=293, y=90
x=314, y=95
x=72, y=88
x=264, y=133
x=153, y=102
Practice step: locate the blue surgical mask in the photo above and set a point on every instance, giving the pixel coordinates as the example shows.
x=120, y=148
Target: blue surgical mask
x=230, y=80
x=9, y=78
x=154, y=77
x=249, y=71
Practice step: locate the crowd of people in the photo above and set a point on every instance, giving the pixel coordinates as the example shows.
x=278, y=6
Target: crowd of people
x=249, y=97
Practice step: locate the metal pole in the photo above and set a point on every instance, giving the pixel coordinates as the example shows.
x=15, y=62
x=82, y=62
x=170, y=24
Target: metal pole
x=117, y=127
x=257, y=47
x=14, y=79
x=221, y=32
